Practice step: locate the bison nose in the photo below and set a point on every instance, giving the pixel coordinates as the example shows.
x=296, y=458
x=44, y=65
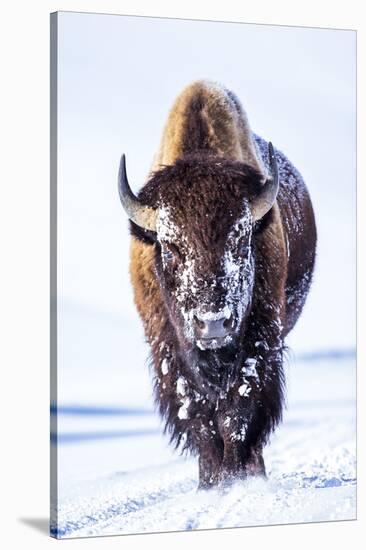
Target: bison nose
x=210, y=326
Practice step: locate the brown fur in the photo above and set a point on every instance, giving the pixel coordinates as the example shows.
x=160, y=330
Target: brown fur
x=208, y=163
x=207, y=117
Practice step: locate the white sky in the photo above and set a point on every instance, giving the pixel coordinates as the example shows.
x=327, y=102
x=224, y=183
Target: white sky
x=118, y=77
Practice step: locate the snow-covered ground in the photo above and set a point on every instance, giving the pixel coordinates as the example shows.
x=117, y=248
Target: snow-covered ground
x=117, y=473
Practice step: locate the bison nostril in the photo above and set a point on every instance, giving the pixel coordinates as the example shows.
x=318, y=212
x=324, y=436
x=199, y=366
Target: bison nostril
x=228, y=323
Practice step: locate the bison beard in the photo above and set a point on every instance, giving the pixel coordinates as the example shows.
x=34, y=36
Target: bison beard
x=223, y=403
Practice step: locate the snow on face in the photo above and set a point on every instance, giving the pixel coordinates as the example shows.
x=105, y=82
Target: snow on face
x=169, y=232
x=166, y=228
x=237, y=269
x=164, y=367
x=238, y=265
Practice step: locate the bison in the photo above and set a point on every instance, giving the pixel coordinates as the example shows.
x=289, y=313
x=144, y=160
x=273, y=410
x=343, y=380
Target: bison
x=223, y=242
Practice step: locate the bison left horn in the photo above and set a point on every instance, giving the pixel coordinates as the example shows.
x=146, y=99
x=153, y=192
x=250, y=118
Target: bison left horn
x=141, y=214
x=267, y=196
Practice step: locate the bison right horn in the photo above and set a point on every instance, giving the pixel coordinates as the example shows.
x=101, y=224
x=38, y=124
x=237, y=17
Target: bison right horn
x=141, y=214
x=267, y=196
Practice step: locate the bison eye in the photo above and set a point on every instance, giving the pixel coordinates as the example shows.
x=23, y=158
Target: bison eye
x=170, y=254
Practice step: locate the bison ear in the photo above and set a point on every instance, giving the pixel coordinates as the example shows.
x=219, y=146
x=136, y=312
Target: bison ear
x=267, y=195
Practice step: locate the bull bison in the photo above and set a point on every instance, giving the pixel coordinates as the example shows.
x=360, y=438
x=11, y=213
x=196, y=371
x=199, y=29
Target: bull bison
x=222, y=255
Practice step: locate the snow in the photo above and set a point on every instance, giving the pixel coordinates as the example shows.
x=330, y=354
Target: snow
x=224, y=313
x=185, y=400
x=118, y=473
x=310, y=463
x=244, y=390
x=164, y=367
x=239, y=270
x=183, y=410
x=249, y=368
x=167, y=230
x=181, y=386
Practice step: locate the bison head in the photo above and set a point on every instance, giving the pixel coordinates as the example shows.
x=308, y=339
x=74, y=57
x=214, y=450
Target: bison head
x=200, y=214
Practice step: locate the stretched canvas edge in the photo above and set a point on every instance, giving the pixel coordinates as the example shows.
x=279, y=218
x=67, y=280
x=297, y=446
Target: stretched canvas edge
x=53, y=271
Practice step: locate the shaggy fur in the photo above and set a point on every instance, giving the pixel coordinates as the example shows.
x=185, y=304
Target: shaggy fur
x=221, y=404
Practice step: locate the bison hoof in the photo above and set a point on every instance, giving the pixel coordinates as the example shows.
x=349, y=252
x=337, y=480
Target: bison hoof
x=256, y=468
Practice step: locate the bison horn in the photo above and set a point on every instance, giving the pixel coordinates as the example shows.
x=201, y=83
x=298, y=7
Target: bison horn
x=264, y=202
x=139, y=213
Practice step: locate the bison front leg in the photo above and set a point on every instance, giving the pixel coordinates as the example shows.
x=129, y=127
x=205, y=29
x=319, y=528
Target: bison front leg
x=211, y=452
x=207, y=471
x=235, y=453
x=210, y=460
x=233, y=464
x=240, y=462
x=255, y=463
x=241, y=458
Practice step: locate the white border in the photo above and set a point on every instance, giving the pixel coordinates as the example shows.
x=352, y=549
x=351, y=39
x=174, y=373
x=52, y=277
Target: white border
x=24, y=288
